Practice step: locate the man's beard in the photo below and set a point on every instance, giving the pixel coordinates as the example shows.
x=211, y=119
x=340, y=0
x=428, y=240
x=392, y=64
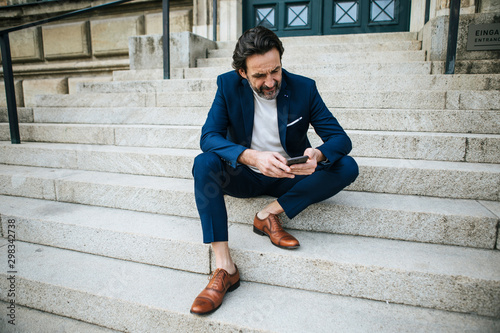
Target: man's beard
x=268, y=95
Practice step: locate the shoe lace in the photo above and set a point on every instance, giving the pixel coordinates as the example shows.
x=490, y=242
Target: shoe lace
x=217, y=279
x=275, y=220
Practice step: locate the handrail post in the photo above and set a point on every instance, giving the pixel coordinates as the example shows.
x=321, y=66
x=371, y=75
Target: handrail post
x=166, y=40
x=10, y=91
x=214, y=20
x=451, y=50
x=427, y=10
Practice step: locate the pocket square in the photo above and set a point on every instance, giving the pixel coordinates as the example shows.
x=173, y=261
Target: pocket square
x=294, y=122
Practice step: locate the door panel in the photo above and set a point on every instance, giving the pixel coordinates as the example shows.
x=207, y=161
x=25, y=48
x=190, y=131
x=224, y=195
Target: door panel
x=285, y=18
x=365, y=16
x=318, y=17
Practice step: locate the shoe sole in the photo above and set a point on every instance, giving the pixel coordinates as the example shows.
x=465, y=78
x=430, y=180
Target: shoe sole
x=262, y=233
x=232, y=288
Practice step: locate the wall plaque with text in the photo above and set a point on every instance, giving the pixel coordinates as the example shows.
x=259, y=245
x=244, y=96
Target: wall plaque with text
x=483, y=37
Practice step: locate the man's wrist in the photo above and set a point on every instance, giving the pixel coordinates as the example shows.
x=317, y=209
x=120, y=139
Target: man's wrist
x=320, y=157
x=246, y=157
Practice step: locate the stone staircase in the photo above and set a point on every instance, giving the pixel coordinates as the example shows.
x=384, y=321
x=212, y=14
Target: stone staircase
x=107, y=233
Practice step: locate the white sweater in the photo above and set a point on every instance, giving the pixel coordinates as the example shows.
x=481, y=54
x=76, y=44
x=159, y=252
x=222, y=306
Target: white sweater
x=265, y=134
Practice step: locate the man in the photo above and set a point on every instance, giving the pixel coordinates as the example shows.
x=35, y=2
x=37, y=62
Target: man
x=259, y=118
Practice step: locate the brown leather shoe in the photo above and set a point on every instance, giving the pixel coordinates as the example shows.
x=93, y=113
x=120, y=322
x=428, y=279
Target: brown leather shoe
x=271, y=226
x=211, y=297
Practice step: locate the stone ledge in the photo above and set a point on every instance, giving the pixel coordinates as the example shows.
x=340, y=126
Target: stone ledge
x=146, y=52
x=70, y=68
x=31, y=88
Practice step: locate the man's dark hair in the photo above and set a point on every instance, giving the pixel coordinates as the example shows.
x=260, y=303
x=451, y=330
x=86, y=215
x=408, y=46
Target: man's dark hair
x=258, y=40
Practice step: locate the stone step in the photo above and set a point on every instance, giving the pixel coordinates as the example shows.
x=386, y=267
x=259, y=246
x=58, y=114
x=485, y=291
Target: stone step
x=141, y=75
x=24, y=115
x=355, y=69
x=473, y=148
x=342, y=47
x=367, y=262
x=219, y=58
x=429, y=178
x=145, y=298
x=413, y=218
x=110, y=232
x=161, y=162
x=143, y=86
x=317, y=52
x=189, y=116
x=442, y=121
x=486, y=66
x=333, y=39
x=454, y=100
x=33, y=320
x=445, y=121
x=309, y=70
x=380, y=175
x=324, y=83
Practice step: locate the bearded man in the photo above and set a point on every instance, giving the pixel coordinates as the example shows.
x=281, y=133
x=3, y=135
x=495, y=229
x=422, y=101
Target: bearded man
x=259, y=119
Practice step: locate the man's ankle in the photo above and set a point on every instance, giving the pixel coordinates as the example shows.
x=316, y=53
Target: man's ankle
x=228, y=267
x=262, y=215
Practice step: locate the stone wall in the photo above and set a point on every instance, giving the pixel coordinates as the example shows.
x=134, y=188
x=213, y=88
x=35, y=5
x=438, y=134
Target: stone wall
x=95, y=45
x=52, y=58
x=489, y=6
x=435, y=41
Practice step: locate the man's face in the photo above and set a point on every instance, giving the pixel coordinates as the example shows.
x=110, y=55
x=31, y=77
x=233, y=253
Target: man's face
x=264, y=73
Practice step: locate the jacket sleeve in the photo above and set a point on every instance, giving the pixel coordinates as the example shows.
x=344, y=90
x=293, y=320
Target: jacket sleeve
x=336, y=143
x=214, y=132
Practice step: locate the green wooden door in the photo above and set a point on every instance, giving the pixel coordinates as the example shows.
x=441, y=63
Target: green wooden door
x=327, y=17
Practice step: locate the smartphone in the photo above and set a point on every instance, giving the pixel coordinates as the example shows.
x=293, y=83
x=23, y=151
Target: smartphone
x=296, y=160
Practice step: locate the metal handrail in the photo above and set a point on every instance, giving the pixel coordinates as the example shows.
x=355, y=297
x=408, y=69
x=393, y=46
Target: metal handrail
x=7, y=58
x=214, y=20
x=451, y=48
x=62, y=16
x=26, y=4
x=166, y=39
x=427, y=10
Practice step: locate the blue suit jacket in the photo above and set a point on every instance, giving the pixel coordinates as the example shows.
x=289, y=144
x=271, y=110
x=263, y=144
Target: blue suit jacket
x=229, y=125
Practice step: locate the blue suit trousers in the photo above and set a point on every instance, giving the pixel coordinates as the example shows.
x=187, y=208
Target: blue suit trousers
x=213, y=178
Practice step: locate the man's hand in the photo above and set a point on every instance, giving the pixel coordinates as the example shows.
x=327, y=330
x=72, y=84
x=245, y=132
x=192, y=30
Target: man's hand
x=271, y=164
x=307, y=168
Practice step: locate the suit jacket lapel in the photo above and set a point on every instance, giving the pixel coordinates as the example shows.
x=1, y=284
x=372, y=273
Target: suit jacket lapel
x=283, y=105
x=248, y=109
